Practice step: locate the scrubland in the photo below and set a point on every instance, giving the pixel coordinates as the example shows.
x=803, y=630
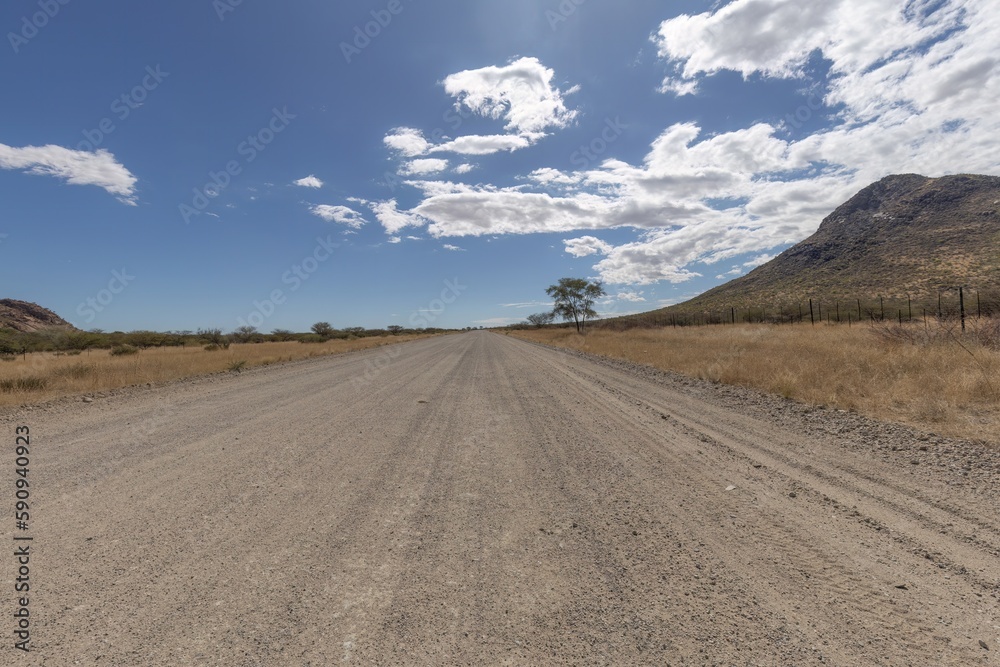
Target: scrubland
x=931, y=376
x=39, y=376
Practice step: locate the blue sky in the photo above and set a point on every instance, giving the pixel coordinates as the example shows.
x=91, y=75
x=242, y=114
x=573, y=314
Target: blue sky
x=173, y=166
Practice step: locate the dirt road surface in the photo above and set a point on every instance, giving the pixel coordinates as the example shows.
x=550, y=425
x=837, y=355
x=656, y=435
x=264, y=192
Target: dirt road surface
x=477, y=500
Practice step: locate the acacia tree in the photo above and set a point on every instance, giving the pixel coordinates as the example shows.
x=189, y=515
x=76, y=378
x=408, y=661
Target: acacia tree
x=574, y=300
x=323, y=329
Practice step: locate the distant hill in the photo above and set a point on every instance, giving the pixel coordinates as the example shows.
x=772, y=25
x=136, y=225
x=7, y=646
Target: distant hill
x=26, y=317
x=903, y=237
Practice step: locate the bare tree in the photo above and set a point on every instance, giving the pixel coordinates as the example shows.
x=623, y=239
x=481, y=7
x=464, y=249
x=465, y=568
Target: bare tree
x=541, y=319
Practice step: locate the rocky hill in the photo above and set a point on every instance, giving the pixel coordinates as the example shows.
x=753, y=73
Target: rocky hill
x=904, y=237
x=27, y=317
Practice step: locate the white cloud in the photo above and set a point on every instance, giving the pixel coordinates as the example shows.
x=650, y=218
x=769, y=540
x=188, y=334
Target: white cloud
x=913, y=87
x=679, y=87
x=759, y=260
x=339, y=214
x=631, y=296
x=423, y=167
x=549, y=176
x=464, y=168
x=453, y=248
x=395, y=239
x=483, y=144
x=99, y=168
x=521, y=93
x=309, y=181
x=586, y=246
x=407, y=141
x=392, y=219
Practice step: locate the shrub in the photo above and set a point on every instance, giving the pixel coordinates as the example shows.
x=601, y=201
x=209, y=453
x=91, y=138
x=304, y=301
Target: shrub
x=212, y=347
x=237, y=366
x=23, y=384
x=122, y=350
x=76, y=371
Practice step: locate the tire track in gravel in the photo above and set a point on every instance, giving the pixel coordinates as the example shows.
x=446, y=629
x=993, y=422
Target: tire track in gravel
x=480, y=500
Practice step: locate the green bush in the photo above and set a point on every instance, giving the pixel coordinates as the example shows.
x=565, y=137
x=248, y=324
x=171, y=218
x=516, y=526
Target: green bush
x=122, y=350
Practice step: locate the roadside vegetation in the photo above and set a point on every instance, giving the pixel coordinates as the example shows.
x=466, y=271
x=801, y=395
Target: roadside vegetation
x=39, y=366
x=932, y=376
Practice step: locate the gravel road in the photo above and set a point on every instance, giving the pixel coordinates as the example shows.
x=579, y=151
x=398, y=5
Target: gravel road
x=478, y=500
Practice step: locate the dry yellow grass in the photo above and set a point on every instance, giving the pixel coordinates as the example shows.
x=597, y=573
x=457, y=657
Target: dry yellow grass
x=43, y=376
x=939, y=386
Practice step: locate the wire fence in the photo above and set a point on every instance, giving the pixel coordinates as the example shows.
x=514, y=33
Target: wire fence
x=960, y=305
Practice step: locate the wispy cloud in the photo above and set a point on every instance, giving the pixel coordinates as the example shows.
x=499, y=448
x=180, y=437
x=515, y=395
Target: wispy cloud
x=339, y=214
x=98, y=168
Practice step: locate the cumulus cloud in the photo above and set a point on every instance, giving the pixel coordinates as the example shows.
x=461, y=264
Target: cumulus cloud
x=464, y=168
x=912, y=87
x=98, y=168
x=453, y=248
x=392, y=219
x=521, y=93
x=407, y=141
x=423, y=167
x=309, y=181
x=339, y=214
x=586, y=246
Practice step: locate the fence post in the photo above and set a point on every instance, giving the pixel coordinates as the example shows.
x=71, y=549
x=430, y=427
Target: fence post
x=838, y=312
x=961, y=304
x=859, y=310
x=881, y=304
x=909, y=305
x=811, y=318
x=979, y=307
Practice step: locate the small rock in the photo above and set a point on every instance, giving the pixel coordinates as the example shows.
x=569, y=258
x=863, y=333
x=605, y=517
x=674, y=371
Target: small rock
x=984, y=645
x=903, y=587
x=88, y=399
x=793, y=495
x=730, y=488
